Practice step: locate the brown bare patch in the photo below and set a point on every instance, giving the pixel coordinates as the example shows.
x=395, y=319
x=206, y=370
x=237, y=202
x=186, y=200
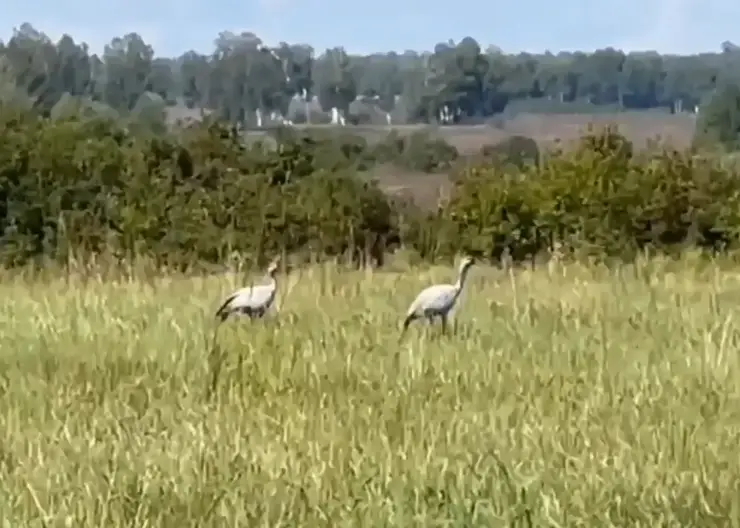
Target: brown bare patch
x=546, y=129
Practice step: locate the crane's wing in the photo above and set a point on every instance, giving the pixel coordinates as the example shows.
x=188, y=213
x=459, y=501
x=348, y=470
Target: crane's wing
x=223, y=309
x=259, y=296
x=442, y=296
x=255, y=297
x=433, y=297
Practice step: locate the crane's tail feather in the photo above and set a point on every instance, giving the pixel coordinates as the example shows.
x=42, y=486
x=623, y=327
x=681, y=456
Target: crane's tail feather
x=223, y=311
x=406, y=322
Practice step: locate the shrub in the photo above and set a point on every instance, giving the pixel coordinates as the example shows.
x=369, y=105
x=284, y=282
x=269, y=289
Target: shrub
x=71, y=187
x=601, y=198
x=418, y=152
x=516, y=151
x=718, y=123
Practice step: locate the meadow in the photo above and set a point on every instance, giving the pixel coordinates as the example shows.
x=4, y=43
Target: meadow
x=571, y=395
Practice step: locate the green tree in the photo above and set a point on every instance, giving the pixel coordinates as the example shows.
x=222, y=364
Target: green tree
x=719, y=119
x=244, y=81
x=128, y=67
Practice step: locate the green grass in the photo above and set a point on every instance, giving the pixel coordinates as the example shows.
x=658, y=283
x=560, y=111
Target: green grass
x=580, y=396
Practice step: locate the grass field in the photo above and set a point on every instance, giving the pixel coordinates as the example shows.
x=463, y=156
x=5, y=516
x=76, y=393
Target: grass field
x=571, y=396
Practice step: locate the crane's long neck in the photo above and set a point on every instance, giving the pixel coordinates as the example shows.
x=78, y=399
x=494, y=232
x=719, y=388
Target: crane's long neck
x=269, y=280
x=461, y=278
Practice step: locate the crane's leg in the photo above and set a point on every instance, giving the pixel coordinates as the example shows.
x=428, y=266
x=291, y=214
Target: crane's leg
x=443, y=317
x=430, y=321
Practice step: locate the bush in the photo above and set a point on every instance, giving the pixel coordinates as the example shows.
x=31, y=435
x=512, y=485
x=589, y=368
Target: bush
x=516, y=151
x=601, y=198
x=718, y=123
x=71, y=187
x=418, y=152
x=338, y=148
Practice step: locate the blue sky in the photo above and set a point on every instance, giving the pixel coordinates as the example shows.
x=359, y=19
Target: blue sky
x=175, y=26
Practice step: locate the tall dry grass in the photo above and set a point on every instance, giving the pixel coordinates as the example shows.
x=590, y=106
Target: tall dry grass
x=575, y=396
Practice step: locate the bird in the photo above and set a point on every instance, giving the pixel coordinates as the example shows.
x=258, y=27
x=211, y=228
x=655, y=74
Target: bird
x=438, y=300
x=253, y=301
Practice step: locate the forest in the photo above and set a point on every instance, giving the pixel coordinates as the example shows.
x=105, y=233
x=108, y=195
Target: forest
x=245, y=81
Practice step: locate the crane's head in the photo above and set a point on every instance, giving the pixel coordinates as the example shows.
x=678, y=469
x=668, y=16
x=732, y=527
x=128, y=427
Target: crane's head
x=466, y=263
x=272, y=269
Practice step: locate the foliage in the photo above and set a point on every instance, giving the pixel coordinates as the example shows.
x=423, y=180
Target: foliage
x=72, y=186
x=418, y=151
x=516, y=151
x=719, y=121
x=601, y=198
x=242, y=78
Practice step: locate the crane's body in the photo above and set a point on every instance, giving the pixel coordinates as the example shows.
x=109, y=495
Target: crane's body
x=252, y=301
x=437, y=300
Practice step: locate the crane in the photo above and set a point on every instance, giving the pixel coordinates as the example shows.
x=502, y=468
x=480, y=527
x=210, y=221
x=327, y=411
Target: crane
x=252, y=301
x=437, y=300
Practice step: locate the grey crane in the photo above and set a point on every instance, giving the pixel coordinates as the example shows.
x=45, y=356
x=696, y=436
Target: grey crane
x=253, y=301
x=438, y=300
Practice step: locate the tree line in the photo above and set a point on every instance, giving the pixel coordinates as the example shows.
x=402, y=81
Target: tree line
x=246, y=82
x=72, y=187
